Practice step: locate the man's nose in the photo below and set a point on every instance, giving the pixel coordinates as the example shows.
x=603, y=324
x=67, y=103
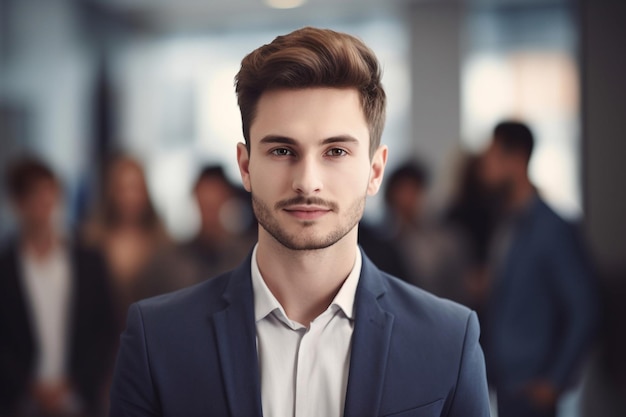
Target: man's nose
x=307, y=176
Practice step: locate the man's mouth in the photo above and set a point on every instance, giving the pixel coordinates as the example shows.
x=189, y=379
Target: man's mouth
x=307, y=212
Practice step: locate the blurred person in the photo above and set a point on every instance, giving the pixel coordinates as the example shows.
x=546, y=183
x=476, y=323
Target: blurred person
x=472, y=215
x=542, y=309
x=221, y=243
x=435, y=254
x=125, y=226
x=306, y=325
x=56, y=314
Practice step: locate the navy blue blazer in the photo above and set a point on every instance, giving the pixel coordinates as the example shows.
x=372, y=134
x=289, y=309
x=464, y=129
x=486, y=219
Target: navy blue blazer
x=543, y=311
x=193, y=353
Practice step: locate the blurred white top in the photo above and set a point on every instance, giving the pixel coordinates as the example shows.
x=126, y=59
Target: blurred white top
x=47, y=284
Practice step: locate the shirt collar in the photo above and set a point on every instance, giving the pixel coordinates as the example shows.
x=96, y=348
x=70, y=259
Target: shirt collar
x=265, y=302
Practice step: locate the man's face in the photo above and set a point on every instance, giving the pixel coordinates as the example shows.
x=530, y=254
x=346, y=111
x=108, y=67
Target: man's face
x=407, y=199
x=36, y=208
x=309, y=168
x=212, y=193
x=495, y=167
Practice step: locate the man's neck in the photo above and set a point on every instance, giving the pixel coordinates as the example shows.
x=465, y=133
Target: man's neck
x=305, y=282
x=40, y=244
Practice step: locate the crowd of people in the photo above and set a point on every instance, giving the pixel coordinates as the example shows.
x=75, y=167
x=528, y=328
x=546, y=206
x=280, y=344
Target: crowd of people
x=498, y=248
x=64, y=295
x=501, y=250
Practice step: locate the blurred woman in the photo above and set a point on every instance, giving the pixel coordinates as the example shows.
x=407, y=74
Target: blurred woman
x=125, y=226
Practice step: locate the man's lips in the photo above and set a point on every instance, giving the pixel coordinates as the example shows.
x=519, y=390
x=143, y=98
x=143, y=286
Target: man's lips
x=307, y=212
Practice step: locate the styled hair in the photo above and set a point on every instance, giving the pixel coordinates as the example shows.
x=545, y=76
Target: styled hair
x=24, y=174
x=311, y=57
x=515, y=138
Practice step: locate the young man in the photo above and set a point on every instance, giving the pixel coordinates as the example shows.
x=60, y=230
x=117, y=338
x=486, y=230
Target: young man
x=57, y=330
x=307, y=325
x=542, y=310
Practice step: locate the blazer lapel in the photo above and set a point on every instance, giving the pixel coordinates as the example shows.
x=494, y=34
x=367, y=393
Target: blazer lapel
x=15, y=296
x=236, y=341
x=370, y=346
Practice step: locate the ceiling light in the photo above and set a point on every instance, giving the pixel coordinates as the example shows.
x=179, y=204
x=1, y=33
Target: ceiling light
x=284, y=4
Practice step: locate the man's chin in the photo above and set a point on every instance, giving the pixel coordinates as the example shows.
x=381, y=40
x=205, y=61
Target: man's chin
x=303, y=238
x=298, y=243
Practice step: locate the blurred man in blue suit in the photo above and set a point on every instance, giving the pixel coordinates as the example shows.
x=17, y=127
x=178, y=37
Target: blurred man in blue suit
x=542, y=309
x=307, y=325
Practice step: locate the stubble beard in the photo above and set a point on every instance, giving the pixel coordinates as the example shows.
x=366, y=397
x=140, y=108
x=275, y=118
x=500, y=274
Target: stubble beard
x=300, y=240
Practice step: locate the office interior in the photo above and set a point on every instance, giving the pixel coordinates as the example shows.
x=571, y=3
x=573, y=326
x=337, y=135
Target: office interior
x=154, y=79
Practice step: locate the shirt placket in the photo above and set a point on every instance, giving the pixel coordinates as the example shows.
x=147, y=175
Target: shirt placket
x=305, y=372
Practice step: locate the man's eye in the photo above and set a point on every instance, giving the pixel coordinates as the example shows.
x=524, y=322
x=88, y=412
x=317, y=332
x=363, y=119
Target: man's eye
x=282, y=152
x=336, y=152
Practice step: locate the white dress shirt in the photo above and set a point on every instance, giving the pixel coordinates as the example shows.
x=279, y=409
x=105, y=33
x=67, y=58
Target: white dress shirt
x=304, y=371
x=47, y=285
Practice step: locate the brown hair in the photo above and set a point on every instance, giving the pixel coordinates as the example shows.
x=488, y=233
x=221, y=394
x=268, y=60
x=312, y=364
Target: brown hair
x=24, y=174
x=311, y=57
x=515, y=137
x=117, y=163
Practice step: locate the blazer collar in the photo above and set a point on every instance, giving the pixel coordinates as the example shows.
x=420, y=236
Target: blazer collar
x=370, y=345
x=236, y=328
x=236, y=341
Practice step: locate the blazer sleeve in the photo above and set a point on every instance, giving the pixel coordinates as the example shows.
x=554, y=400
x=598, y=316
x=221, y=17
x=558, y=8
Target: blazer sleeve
x=133, y=393
x=471, y=396
x=570, y=273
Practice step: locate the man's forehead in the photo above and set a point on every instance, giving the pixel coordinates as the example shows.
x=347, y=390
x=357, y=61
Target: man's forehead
x=320, y=113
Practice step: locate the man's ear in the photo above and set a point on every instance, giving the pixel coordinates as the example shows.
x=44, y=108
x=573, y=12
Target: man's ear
x=243, y=160
x=377, y=169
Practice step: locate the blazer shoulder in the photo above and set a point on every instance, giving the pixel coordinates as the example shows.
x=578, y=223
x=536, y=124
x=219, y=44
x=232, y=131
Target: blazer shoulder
x=551, y=227
x=546, y=217
x=9, y=267
x=411, y=304
x=205, y=296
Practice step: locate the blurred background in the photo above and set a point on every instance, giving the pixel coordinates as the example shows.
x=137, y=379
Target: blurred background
x=81, y=80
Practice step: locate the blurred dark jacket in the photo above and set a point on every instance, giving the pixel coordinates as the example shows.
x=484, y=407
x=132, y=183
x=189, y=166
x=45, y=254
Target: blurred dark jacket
x=92, y=331
x=377, y=243
x=542, y=314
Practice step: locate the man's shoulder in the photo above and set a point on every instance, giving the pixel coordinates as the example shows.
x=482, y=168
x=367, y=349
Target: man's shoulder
x=418, y=313
x=413, y=306
x=8, y=250
x=552, y=228
x=426, y=326
x=546, y=216
x=204, y=297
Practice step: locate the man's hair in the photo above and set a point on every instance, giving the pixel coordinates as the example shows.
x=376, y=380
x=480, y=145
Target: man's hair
x=210, y=172
x=24, y=173
x=514, y=137
x=413, y=171
x=311, y=57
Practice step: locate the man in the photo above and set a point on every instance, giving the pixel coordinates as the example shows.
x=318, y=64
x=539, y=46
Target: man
x=306, y=326
x=542, y=311
x=56, y=315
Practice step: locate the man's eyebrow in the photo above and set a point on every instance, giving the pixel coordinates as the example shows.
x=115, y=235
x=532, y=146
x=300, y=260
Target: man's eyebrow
x=272, y=139
x=341, y=139
x=284, y=140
